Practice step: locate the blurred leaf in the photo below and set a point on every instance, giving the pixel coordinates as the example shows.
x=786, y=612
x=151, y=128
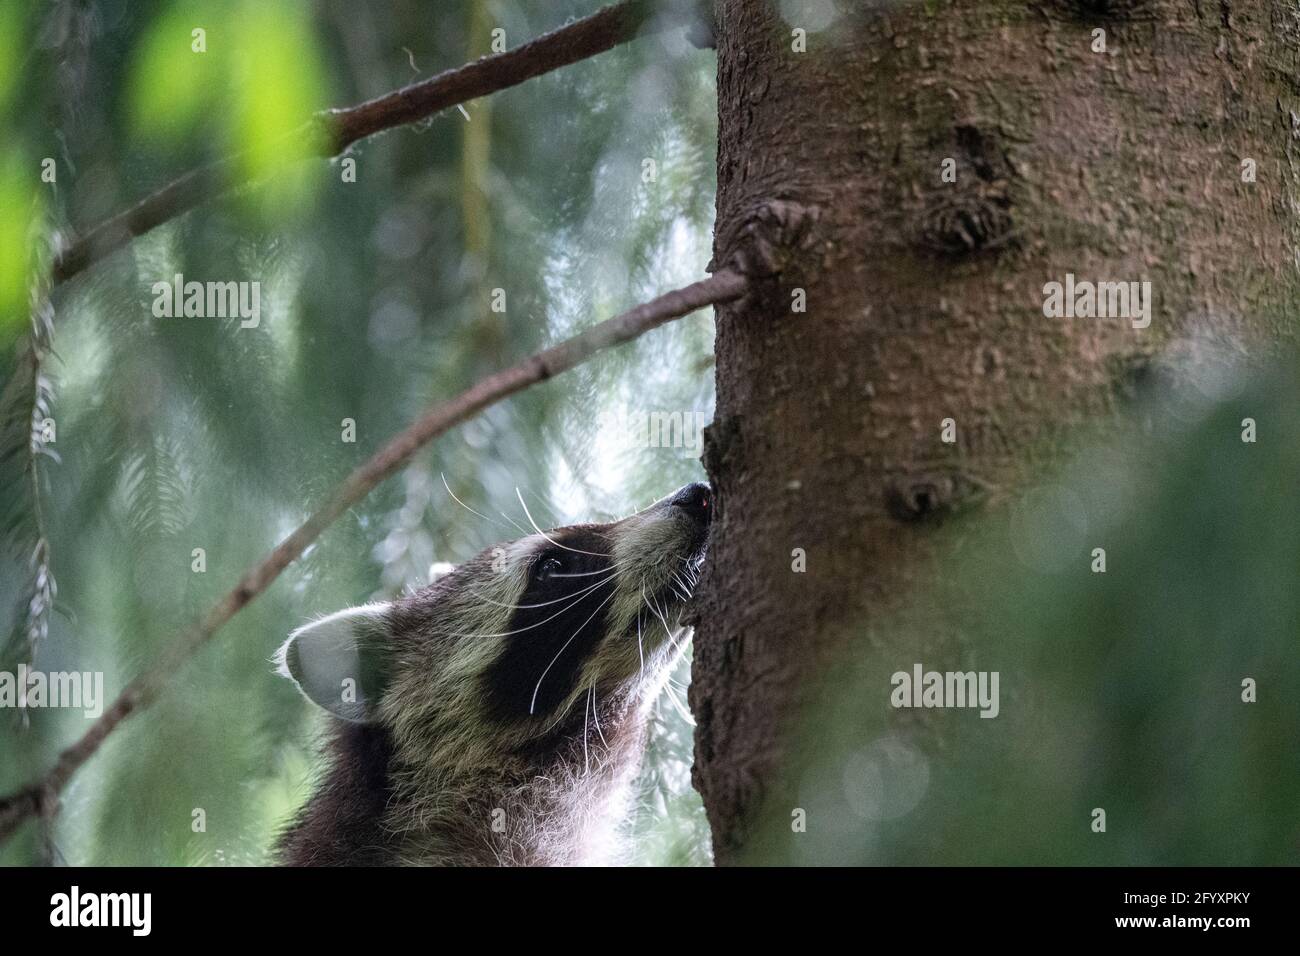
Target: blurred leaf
x=278, y=82
x=258, y=73
x=19, y=214
x=12, y=46
x=173, y=88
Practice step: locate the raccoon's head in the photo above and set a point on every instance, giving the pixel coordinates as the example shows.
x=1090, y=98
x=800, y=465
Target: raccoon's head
x=515, y=650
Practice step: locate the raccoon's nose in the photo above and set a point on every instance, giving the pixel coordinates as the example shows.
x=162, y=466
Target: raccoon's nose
x=696, y=499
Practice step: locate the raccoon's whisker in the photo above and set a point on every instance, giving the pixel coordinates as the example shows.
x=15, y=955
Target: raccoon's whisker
x=521, y=528
x=465, y=506
x=563, y=597
x=532, y=706
x=603, y=572
x=659, y=612
x=640, y=647
x=582, y=596
x=519, y=607
x=548, y=537
x=586, y=717
x=673, y=630
x=541, y=499
x=645, y=599
x=595, y=714
x=617, y=565
x=679, y=706
x=692, y=565
x=481, y=596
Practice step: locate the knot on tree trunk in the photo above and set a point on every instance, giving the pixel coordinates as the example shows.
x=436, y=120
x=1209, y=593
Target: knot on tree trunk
x=933, y=495
x=973, y=212
x=763, y=241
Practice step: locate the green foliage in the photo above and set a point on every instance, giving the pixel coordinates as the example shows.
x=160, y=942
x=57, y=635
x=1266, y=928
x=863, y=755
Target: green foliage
x=1120, y=690
x=12, y=31
x=176, y=434
x=252, y=67
x=173, y=86
x=20, y=213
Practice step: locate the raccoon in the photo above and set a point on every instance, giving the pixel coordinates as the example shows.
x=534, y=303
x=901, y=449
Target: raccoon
x=497, y=717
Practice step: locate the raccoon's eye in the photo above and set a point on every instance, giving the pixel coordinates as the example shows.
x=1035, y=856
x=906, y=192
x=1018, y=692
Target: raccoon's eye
x=547, y=567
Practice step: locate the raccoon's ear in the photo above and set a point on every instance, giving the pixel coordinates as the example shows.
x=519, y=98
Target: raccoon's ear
x=340, y=662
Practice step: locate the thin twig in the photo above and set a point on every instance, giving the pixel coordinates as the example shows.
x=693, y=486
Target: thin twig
x=40, y=797
x=331, y=132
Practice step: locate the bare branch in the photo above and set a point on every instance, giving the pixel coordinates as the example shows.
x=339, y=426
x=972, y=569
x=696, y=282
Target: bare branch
x=338, y=129
x=41, y=797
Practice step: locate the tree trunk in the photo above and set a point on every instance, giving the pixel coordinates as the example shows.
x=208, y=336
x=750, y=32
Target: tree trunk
x=925, y=299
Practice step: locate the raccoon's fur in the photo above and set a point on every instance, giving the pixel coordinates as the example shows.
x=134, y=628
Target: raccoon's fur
x=497, y=715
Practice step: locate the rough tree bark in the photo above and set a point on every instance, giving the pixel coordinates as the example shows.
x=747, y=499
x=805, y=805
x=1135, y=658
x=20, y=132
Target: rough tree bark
x=925, y=298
